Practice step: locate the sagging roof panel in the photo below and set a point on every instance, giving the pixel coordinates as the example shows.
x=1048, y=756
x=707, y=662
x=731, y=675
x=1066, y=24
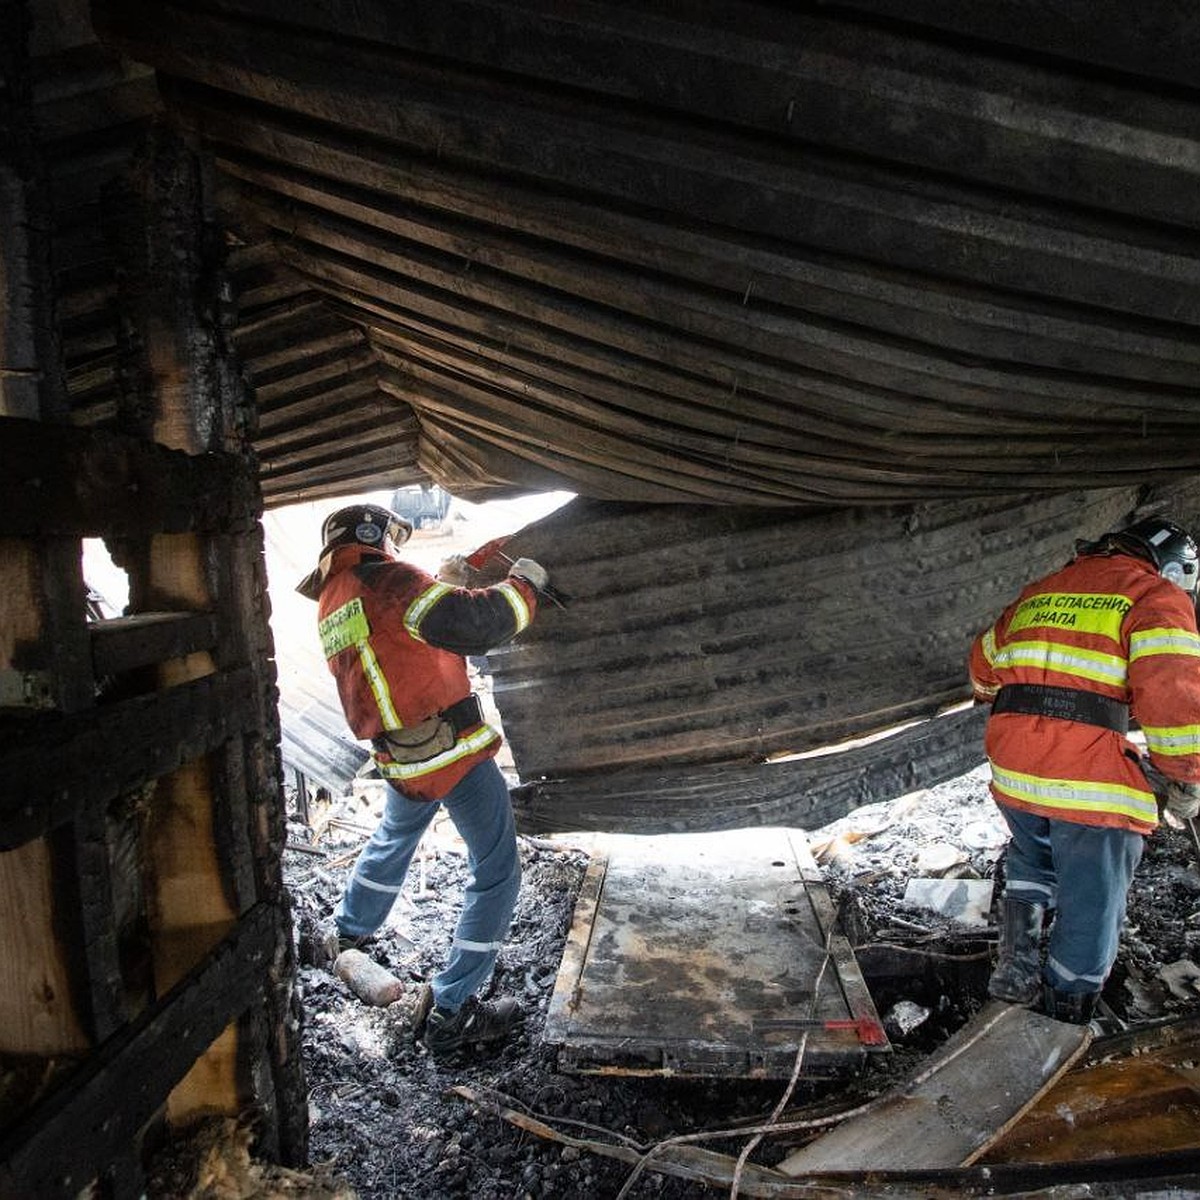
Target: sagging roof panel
x=726, y=639
x=739, y=254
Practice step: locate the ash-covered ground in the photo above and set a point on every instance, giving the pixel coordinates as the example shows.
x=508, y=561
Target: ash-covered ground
x=383, y=1116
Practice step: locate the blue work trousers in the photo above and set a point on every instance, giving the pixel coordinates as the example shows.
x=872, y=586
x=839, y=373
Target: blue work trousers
x=481, y=811
x=1083, y=873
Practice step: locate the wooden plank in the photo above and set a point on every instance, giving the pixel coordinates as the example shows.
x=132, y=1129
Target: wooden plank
x=1143, y=1101
x=971, y=1092
x=58, y=767
x=709, y=955
x=123, y=643
x=1163, y=42
x=554, y=288
x=38, y=1010
x=93, y=483
x=189, y=906
x=99, y=1110
x=693, y=64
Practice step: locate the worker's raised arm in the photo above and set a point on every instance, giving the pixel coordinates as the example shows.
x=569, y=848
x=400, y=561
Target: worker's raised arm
x=469, y=621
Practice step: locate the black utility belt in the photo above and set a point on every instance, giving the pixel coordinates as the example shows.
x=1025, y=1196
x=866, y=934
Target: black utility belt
x=1068, y=704
x=464, y=714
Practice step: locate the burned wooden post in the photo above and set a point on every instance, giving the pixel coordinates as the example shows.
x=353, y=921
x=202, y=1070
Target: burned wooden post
x=146, y=960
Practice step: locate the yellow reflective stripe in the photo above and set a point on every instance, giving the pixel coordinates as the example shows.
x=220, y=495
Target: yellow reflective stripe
x=1173, y=739
x=1084, y=612
x=1146, y=642
x=418, y=609
x=1050, y=656
x=344, y=627
x=517, y=603
x=1077, y=795
x=988, y=646
x=481, y=738
x=379, y=688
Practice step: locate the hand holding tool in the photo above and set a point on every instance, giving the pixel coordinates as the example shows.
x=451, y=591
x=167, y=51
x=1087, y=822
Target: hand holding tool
x=495, y=549
x=1160, y=785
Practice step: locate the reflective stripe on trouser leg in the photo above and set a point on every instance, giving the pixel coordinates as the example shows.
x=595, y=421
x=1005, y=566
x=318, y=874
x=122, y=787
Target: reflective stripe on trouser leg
x=1029, y=861
x=1095, y=866
x=482, y=813
x=380, y=871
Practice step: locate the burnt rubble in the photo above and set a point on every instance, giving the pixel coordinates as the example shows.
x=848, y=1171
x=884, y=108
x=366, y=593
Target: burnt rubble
x=385, y=1122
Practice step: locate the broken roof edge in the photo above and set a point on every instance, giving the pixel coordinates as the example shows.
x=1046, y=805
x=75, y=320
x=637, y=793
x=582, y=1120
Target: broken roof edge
x=804, y=793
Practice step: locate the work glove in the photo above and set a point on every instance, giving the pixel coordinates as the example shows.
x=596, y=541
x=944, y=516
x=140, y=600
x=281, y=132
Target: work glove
x=533, y=573
x=455, y=570
x=1182, y=799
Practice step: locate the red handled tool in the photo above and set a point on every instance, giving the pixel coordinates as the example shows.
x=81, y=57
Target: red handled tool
x=495, y=549
x=870, y=1031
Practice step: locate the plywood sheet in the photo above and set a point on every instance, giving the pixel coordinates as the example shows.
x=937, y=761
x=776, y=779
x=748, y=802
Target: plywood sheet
x=709, y=955
x=980, y=1082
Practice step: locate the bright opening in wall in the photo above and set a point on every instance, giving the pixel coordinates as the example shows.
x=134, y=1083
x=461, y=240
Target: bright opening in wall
x=107, y=584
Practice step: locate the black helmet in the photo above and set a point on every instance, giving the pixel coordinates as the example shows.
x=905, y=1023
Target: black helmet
x=364, y=524
x=1168, y=546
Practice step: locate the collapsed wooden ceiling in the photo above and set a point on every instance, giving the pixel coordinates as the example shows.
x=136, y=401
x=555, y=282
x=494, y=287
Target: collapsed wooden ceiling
x=743, y=253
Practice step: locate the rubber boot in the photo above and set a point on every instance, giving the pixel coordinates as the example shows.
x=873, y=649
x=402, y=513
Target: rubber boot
x=1018, y=974
x=1075, y=1008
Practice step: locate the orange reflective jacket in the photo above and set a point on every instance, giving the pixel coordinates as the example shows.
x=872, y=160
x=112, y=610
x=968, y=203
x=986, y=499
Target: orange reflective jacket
x=394, y=638
x=1103, y=624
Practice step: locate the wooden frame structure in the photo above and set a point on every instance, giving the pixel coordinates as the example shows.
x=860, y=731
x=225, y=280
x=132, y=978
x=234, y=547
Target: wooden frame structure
x=146, y=955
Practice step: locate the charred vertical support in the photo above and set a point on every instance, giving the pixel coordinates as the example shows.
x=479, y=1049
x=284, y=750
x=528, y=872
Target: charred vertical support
x=244, y=636
x=88, y=882
x=184, y=390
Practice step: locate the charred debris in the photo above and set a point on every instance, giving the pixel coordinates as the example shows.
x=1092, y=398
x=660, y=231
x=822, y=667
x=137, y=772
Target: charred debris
x=987, y=1099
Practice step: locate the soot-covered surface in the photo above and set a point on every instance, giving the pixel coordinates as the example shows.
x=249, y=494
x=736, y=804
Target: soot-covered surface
x=385, y=1122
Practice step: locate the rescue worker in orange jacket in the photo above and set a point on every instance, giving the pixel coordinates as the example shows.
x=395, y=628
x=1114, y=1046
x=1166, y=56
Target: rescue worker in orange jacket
x=395, y=639
x=1110, y=635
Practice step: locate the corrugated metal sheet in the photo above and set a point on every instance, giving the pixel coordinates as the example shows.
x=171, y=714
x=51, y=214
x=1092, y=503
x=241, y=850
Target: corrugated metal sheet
x=739, y=253
x=702, y=643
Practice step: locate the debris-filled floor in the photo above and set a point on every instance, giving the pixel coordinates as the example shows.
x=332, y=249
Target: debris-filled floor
x=384, y=1118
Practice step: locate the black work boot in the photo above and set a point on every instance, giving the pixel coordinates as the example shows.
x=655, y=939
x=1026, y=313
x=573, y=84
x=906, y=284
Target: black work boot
x=1018, y=974
x=475, y=1024
x=1075, y=1008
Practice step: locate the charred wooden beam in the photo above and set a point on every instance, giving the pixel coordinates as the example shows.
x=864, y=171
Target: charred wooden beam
x=122, y=644
x=896, y=92
x=92, y=483
x=98, y=1113
x=86, y=887
x=1163, y=43
x=50, y=771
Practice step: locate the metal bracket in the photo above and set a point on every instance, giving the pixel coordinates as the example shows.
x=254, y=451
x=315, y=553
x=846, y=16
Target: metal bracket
x=25, y=689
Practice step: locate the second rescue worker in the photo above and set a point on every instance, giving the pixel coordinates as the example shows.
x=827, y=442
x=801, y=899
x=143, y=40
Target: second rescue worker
x=1110, y=635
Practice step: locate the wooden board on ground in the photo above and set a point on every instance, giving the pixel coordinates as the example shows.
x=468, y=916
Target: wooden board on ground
x=959, y=1103
x=709, y=954
x=1141, y=1097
